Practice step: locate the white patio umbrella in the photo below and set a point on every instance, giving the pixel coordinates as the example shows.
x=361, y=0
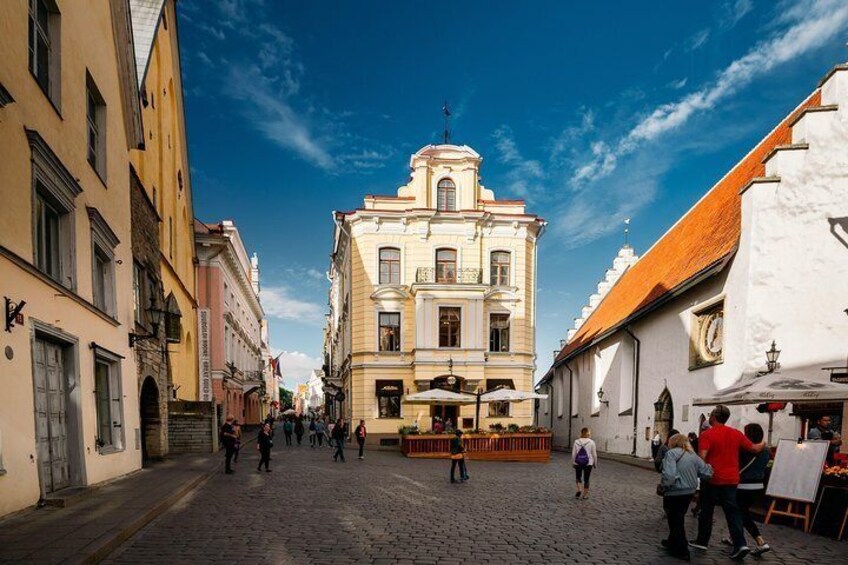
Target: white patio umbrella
x=289, y=412
x=510, y=395
x=760, y=388
x=440, y=396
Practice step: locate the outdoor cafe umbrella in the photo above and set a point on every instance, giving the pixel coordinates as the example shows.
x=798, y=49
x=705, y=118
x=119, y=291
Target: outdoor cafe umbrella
x=439, y=396
x=775, y=387
x=289, y=412
x=504, y=394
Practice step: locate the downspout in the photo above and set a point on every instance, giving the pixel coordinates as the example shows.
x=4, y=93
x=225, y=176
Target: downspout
x=570, y=400
x=637, y=347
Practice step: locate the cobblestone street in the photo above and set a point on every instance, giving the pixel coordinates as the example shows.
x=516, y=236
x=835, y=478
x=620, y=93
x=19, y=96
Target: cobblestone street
x=388, y=509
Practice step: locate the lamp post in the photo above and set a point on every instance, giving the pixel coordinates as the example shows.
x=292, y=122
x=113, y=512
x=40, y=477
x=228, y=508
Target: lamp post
x=156, y=314
x=601, y=394
x=772, y=355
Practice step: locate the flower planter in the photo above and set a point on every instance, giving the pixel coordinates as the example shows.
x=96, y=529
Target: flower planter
x=532, y=447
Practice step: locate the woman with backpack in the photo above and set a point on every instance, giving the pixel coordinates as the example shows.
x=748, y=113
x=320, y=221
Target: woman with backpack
x=584, y=456
x=681, y=470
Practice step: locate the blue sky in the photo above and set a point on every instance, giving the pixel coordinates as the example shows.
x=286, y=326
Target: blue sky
x=591, y=111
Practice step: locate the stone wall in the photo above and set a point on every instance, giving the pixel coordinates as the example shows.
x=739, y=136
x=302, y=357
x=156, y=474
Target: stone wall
x=191, y=427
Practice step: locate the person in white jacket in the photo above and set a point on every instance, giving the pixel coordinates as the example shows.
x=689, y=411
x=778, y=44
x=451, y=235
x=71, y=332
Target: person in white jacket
x=584, y=457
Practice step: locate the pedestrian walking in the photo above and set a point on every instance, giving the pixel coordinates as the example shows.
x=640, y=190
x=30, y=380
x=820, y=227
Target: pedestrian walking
x=320, y=430
x=298, y=429
x=264, y=444
x=752, y=473
x=360, y=434
x=658, y=459
x=288, y=428
x=584, y=457
x=720, y=446
x=656, y=443
x=237, y=448
x=339, y=439
x=457, y=450
x=330, y=428
x=681, y=470
x=312, y=426
x=228, y=439
x=327, y=430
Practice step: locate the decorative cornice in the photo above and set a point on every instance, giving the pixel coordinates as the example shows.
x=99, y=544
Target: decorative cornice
x=41, y=151
x=102, y=227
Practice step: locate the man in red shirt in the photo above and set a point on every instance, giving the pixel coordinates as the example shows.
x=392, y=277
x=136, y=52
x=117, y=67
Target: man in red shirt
x=719, y=447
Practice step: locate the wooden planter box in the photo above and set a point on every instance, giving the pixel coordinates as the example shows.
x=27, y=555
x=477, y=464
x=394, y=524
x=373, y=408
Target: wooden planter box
x=535, y=447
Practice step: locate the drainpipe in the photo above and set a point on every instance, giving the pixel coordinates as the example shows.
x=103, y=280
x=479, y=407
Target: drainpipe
x=637, y=347
x=570, y=400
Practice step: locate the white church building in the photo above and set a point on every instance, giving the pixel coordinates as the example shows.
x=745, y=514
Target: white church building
x=762, y=257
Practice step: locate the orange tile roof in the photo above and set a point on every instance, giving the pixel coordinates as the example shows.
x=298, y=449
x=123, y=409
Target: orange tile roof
x=704, y=237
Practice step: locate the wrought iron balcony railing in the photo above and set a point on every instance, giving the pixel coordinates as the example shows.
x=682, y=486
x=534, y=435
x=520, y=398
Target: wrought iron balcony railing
x=432, y=275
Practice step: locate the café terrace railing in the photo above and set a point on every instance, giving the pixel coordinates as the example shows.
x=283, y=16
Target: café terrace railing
x=428, y=275
x=534, y=447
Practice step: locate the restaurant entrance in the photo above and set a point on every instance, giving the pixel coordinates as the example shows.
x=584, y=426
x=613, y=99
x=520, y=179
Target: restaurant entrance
x=444, y=412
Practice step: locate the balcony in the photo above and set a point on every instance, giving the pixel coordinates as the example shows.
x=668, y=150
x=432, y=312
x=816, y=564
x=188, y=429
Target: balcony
x=429, y=275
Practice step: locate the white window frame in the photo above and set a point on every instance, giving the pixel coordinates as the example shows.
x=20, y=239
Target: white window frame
x=489, y=330
x=439, y=322
x=456, y=206
x=103, y=244
x=402, y=266
x=53, y=88
x=378, y=313
x=488, y=266
x=54, y=183
x=115, y=398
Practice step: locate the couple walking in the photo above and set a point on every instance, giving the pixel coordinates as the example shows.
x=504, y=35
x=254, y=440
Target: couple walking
x=458, y=451
x=725, y=481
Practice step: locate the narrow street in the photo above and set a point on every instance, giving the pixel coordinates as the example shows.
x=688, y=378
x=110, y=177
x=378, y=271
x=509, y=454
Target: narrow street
x=389, y=509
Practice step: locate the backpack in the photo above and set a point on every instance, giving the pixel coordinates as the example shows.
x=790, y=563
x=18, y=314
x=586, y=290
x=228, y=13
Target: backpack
x=582, y=456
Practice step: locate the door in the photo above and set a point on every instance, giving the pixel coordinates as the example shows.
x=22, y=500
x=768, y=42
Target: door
x=51, y=416
x=664, y=414
x=445, y=412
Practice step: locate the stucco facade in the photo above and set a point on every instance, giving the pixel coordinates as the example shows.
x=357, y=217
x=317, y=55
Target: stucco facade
x=784, y=283
x=69, y=409
x=415, y=260
x=164, y=172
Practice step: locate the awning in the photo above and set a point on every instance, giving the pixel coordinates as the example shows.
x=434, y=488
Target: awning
x=509, y=395
x=390, y=388
x=440, y=396
x=776, y=387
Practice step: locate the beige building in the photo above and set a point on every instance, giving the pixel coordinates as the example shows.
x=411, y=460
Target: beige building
x=434, y=287
x=69, y=113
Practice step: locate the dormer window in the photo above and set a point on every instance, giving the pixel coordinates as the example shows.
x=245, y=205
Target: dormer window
x=446, y=201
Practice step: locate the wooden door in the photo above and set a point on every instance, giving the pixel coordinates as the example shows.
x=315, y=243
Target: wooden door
x=51, y=416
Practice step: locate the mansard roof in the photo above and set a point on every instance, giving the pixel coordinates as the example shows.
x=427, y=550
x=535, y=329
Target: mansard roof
x=700, y=243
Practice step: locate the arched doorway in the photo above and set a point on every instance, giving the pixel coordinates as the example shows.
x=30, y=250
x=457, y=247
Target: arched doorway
x=664, y=414
x=151, y=423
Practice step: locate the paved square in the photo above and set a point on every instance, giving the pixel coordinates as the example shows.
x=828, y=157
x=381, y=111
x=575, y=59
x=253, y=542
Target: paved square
x=389, y=509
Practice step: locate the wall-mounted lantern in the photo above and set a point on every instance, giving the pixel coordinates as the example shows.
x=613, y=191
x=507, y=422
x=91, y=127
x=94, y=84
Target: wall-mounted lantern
x=156, y=315
x=772, y=355
x=601, y=394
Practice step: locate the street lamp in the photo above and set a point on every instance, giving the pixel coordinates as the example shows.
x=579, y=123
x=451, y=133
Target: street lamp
x=772, y=355
x=601, y=396
x=156, y=314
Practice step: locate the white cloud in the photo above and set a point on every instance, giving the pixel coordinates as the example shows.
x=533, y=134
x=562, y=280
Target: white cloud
x=735, y=11
x=808, y=30
x=279, y=302
x=524, y=174
x=678, y=84
x=698, y=40
x=297, y=366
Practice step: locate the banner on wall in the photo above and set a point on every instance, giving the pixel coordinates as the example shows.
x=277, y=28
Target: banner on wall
x=205, y=384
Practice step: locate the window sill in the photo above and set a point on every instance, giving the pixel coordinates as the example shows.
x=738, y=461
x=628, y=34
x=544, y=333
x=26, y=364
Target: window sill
x=628, y=412
x=110, y=450
x=391, y=418
x=595, y=415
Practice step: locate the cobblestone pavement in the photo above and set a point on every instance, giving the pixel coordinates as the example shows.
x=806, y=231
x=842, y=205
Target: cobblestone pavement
x=389, y=509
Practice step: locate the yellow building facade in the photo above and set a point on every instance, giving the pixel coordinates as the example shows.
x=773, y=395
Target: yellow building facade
x=433, y=288
x=68, y=116
x=163, y=170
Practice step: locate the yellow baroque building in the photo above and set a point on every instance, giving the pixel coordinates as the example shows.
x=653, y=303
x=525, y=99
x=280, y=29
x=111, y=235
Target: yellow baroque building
x=432, y=288
x=163, y=170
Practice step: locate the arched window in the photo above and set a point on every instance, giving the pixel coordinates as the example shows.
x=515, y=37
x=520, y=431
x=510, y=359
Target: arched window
x=446, y=196
x=445, y=266
x=389, y=265
x=499, y=268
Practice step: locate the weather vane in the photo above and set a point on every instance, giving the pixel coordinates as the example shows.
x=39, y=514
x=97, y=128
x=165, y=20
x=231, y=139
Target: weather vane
x=446, y=112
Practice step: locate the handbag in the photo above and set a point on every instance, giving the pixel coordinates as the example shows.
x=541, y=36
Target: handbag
x=457, y=456
x=660, y=488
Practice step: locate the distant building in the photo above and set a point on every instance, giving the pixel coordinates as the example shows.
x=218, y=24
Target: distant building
x=238, y=356
x=759, y=259
x=316, y=391
x=301, y=399
x=433, y=287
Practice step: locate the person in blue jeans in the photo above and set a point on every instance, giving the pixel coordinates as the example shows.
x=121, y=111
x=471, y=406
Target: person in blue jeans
x=681, y=469
x=457, y=450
